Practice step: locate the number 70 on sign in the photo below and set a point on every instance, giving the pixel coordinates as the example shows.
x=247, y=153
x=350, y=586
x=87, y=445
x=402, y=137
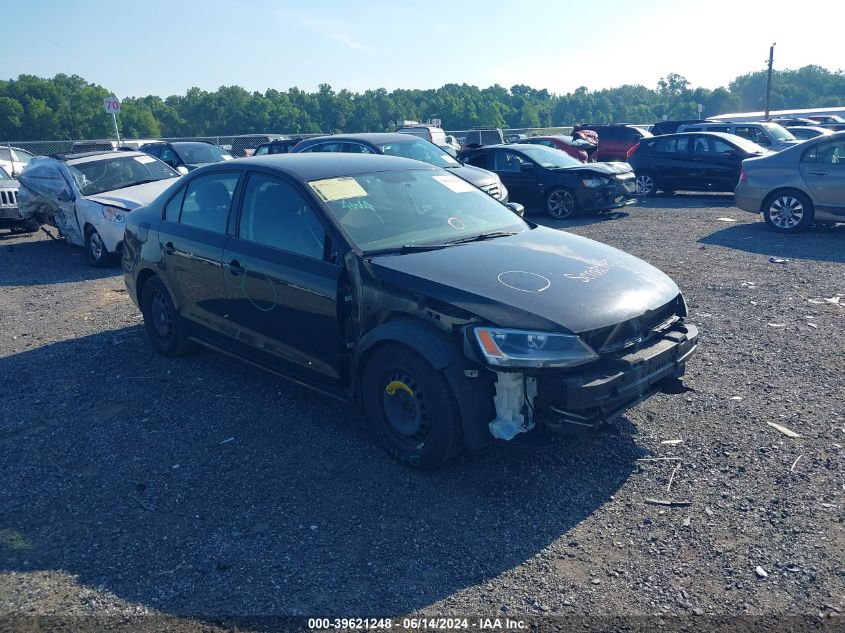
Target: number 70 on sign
x=111, y=105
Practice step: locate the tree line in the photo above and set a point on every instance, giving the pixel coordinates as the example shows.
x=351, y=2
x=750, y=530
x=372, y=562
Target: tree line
x=69, y=107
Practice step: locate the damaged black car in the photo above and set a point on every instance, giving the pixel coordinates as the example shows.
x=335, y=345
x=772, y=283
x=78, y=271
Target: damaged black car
x=395, y=285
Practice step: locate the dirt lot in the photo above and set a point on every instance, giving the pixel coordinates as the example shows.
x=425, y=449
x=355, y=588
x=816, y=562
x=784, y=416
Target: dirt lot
x=201, y=488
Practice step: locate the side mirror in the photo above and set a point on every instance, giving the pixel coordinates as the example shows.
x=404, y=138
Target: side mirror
x=517, y=208
x=182, y=169
x=526, y=168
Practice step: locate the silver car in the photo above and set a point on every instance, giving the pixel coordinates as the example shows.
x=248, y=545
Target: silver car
x=798, y=186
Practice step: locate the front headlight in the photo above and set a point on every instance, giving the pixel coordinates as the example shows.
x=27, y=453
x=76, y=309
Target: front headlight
x=596, y=182
x=524, y=348
x=503, y=191
x=114, y=214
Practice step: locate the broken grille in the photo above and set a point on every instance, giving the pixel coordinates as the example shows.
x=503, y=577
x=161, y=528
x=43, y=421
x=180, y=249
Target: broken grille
x=8, y=198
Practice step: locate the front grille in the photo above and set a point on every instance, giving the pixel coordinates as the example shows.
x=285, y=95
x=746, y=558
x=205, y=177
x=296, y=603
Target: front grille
x=634, y=332
x=8, y=198
x=493, y=190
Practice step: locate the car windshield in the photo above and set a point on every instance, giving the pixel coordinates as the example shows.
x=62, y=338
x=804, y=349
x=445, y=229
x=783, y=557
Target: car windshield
x=391, y=209
x=779, y=132
x=202, y=153
x=548, y=157
x=117, y=172
x=418, y=150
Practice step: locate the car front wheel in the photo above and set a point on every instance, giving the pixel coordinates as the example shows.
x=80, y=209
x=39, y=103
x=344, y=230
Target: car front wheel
x=411, y=406
x=788, y=211
x=561, y=204
x=98, y=254
x=164, y=325
x=646, y=185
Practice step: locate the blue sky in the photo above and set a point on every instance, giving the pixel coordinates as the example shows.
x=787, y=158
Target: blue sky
x=166, y=46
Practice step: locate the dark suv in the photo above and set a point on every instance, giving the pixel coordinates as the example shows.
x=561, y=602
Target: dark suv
x=614, y=140
x=481, y=136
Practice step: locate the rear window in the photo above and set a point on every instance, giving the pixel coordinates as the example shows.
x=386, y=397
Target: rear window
x=491, y=137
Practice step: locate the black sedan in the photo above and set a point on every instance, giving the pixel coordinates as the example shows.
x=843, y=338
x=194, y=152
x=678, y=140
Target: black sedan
x=562, y=185
x=402, y=288
x=696, y=161
x=187, y=154
x=405, y=146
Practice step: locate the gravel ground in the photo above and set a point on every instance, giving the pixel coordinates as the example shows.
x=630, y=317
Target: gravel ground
x=202, y=488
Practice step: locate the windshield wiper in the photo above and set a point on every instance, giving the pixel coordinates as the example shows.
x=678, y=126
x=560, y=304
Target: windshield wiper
x=482, y=236
x=405, y=248
x=132, y=184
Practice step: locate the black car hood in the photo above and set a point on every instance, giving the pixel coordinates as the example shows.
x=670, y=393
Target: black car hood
x=604, y=169
x=477, y=176
x=541, y=278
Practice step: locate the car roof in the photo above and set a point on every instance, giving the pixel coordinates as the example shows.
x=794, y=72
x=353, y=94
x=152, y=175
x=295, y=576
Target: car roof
x=372, y=137
x=723, y=135
x=85, y=157
x=317, y=166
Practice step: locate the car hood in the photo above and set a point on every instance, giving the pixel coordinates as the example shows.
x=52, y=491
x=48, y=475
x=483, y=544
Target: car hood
x=132, y=197
x=8, y=183
x=477, y=176
x=604, y=169
x=540, y=279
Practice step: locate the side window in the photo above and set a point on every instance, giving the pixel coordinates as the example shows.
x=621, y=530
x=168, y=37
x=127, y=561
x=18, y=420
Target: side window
x=261, y=151
x=478, y=159
x=168, y=155
x=721, y=147
x=279, y=149
x=275, y=214
x=508, y=161
x=328, y=147
x=831, y=153
x=357, y=148
x=207, y=201
x=702, y=145
x=172, y=208
x=692, y=129
x=153, y=150
x=746, y=131
x=719, y=128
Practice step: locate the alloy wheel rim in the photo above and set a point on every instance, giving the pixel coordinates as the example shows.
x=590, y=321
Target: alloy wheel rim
x=95, y=245
x=645, y=184
x=561, y=204
x=786, y=212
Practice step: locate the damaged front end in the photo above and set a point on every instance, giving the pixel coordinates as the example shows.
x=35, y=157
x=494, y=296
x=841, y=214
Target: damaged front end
x=47, y=197
x=582, y=382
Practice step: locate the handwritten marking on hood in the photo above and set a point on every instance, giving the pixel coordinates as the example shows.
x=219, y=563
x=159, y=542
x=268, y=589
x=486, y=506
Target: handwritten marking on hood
x=593, y=272
x=524, y=281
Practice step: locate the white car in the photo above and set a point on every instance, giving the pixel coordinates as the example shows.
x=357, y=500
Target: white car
x=88, y=196
x=14, y=160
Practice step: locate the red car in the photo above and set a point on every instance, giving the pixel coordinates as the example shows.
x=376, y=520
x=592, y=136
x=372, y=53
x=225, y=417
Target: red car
x=582, y=149
x=614, y=139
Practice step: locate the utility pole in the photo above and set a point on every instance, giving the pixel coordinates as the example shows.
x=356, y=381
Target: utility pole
x=769, y=79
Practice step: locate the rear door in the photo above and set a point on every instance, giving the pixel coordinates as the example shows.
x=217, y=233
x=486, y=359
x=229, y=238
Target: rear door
x=823, y=170
x=192, y=238
x=282, y=275
x=717, y=164
x=672, y=162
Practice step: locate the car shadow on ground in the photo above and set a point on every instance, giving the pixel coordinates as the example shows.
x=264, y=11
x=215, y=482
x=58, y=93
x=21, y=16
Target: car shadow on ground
x=582, y=219
x=821, y=243
x=204, y=487
x=687, y=200
x=58, y=262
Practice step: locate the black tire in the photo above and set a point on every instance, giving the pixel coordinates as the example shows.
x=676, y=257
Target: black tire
x=165, y=326
x=646, y=185
x=788, y=211
x=412, y=407
x=98, y=254
x=561, y=203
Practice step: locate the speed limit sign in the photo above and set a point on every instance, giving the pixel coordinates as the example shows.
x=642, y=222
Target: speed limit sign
x=111, y=105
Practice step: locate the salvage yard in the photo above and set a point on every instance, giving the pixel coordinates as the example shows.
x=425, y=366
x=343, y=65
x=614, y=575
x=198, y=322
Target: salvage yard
x=201, y=487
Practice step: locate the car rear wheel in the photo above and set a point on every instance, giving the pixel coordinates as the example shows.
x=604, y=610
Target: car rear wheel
x=164, y=325
x=98, y=254
x=561, y=204
x=645, y=184
x=788, y=211
x=411, y=406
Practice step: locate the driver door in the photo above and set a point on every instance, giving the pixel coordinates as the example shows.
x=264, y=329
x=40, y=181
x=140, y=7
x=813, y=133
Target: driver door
x=519, y=175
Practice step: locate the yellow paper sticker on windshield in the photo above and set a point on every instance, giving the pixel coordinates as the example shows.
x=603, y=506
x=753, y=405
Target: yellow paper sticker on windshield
x=454, y=183
x=333, y=189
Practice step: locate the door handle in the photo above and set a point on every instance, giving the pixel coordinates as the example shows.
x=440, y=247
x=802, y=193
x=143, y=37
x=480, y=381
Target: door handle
x=235, y=267
x=818, y=173
x=169, y=248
